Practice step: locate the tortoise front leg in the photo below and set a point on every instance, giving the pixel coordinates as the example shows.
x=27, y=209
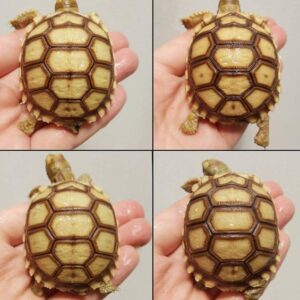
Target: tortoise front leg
x=196, y=18
x=262, y=138
x=24, y=19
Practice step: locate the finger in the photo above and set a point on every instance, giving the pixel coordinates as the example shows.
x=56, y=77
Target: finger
x=285, y=210
x=118, y=40
x=135, y=233
x=126, y=63
x=10, y=49
x=230, y=296
x=172, y=55
x=274, y=188
x=128, y=210
x=60, y=138
x=168, y=227
x=12, y=223
x=284, y=246
x=279, y=34
x=128, y=260
x=231, y=133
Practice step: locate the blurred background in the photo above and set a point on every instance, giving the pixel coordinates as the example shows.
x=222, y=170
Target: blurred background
x=122, y=175
x=284, y=120
x=132, y=128
x=173, y=169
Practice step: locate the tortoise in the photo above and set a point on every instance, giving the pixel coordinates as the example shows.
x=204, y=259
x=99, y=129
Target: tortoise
x=231, y=236
x=233, y=70
x=67, y=67
x=71, y=235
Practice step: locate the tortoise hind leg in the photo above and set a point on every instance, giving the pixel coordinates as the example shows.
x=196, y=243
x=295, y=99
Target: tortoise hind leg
x=262, y=137
x=24, y=19
x=106, y=288
x=196, y=18
x=28, y=126
x=190, y=125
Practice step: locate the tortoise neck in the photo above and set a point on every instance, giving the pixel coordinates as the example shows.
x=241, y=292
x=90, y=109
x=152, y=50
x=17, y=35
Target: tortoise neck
x=226, y=6
x=58, y=169
x=213, y=167
x=66, y=5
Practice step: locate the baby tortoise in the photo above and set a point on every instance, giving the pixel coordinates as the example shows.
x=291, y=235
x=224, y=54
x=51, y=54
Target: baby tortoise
x=233, y=70
x=67, y=67
x=231, y=236
x=71, y=235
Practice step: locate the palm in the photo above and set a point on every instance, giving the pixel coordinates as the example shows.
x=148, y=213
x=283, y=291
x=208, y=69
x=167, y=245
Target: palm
x=171, y=280
x=171, y=109
x=15, y=283
x=50, y=136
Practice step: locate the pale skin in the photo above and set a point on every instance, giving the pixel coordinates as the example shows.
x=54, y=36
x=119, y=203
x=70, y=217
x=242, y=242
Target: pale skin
x=171, y=280
x=171, y=107
x=134, y=232
x=50, y=136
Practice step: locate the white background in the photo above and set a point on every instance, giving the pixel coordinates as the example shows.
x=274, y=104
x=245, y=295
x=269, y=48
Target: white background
x=284, y=120
x=132, y=128
x=173, y=169
x=122, y=175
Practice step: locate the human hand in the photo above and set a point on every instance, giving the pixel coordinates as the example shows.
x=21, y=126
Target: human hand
x=171, y=280
x=171, y=108
x=134, y=231
x=50, y=136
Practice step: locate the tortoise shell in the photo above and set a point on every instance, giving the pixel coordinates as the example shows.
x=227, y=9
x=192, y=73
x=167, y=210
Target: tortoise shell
x=71, y=237
x=233, y=68
x=231, y=237
x=67, y=68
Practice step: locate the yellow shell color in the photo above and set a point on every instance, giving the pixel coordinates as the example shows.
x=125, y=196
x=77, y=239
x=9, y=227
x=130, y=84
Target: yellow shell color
x=67, y=69
x=71, y=236
x=230, y=232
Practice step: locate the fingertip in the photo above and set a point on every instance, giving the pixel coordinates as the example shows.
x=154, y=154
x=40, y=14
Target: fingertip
x=136, y=233
x=126, y=63
x=285, y=210
x=274, y=188
x=128, y=210
x=118, y=40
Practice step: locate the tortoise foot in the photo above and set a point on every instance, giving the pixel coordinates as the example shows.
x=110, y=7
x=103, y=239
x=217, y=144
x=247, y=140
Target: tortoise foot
x=24, y=19
x=196, y=18
x=262, y=137
x=190, y=126
x=28, y=126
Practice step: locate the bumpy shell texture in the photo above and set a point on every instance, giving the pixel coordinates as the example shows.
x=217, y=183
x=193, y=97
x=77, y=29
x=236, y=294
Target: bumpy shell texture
x=230, y=234
x=67, y=69
x=71, y=237
x=233, y=69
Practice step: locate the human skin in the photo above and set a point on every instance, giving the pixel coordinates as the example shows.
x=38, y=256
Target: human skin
x=171, y=107
x=50, y=136
x=171, y=280
x=15, y=282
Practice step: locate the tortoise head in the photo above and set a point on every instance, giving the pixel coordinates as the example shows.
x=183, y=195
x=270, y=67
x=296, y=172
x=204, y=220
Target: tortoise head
x=212, y=167
x=226, y=6
x=66, y=5
x=58, y=168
